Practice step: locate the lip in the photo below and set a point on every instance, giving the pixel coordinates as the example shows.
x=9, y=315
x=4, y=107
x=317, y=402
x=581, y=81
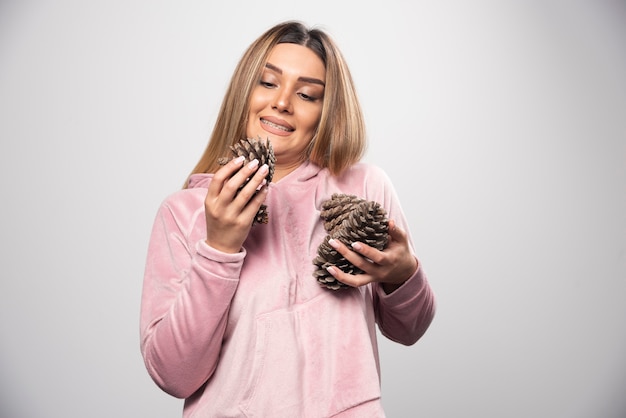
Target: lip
x=276, y=126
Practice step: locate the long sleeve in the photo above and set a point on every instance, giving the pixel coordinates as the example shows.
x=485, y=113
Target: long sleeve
x=187, y=291
x=247, y=333
x=404, y=315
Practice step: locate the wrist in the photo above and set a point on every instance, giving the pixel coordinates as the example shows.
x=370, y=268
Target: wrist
x=392, y=287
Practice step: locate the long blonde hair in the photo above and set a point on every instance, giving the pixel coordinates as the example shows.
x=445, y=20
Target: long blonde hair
x=340, y=140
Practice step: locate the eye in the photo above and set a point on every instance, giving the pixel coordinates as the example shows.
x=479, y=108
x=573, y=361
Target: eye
x=307, y=98
x=267, y=84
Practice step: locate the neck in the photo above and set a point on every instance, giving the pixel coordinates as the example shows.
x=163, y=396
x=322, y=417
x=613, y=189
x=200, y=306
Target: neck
x=282, y=170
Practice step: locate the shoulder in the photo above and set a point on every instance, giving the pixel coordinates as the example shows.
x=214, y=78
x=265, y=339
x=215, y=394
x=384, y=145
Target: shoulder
x=362, y=179
x=366, y=169
x=189, y=199
x=366, y=174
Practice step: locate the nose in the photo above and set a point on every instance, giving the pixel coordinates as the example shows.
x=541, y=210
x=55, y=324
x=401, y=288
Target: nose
x=282, y=101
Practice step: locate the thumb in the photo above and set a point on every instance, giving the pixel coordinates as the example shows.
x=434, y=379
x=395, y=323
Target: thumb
x=395, y=232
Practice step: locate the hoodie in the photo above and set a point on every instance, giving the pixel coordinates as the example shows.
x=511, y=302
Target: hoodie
x=253, y=334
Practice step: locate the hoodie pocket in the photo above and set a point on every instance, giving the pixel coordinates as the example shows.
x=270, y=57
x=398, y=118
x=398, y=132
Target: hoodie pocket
x=314, y=360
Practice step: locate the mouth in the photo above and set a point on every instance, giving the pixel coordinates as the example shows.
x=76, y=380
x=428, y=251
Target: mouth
x=277, y=126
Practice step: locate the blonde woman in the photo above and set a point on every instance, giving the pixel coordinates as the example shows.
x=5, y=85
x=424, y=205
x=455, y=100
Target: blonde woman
x=232, y=319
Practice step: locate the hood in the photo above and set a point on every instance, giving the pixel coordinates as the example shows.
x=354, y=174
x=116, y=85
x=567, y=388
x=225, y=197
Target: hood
x=306, y=171
x=199, y=180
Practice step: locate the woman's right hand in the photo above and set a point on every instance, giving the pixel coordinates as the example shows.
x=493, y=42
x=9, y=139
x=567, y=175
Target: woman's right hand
x=229, y=215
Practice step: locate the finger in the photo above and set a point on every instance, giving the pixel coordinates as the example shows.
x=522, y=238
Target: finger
x=396, y=233
x=223, y=199
x=368, y=252
x=234, y=184
x=229, y=191
x=353, y=280
x=255, y=202
x=357, y=259
x=224, y=174
x=254, y=182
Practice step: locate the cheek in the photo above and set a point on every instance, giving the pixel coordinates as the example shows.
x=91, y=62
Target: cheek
x=259, y=99
x=254, y=102
x=254, y=107
x=314, y=119
x=311, y=116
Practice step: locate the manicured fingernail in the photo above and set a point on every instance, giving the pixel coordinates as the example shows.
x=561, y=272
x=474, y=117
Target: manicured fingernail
x=331, y=270
x=262, y=185
x=239, y=160
x=333, y=243
x=264, y=169
x=357, y=245
x=253, y=163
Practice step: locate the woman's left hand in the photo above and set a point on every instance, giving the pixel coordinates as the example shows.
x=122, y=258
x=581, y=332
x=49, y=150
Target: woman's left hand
x=390, y=267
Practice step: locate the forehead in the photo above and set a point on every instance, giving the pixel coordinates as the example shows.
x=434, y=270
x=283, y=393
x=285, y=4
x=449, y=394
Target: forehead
x=297, y=60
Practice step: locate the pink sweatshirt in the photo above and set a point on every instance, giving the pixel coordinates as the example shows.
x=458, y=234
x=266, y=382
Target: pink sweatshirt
x=253, y=334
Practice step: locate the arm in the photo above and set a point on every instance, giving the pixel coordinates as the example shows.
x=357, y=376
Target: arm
x=190, y=279
x=404, y=303
x=185, y=302
x=403, y=300
x=405, y=314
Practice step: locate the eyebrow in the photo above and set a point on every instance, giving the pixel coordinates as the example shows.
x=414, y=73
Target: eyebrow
x=305, y=79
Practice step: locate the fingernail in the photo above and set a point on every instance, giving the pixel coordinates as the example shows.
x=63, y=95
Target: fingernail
x=331, y=270
x=333, y=243
x=357, y=245
x=264, y=169
x=253, y=163
x=239, y=160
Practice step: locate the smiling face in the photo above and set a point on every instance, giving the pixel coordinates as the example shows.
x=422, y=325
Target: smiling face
x=286, y=104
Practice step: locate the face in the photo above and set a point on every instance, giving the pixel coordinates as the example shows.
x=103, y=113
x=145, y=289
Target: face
x=286, y=104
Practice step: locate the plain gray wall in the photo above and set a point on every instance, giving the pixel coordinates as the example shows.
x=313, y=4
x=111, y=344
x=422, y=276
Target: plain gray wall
x=502, y=124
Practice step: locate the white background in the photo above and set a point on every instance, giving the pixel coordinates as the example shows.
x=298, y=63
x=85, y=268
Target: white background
x=502, y=124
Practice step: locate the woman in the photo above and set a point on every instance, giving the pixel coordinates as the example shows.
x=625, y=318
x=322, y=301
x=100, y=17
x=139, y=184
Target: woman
x=232, y=319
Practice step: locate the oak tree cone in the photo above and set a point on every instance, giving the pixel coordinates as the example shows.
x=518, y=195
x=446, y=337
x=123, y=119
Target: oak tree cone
x=348, y=219
x=251, y=149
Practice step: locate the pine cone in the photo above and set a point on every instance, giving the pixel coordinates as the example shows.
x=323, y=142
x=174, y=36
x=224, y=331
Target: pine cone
x=348, y=219
x=252, y=149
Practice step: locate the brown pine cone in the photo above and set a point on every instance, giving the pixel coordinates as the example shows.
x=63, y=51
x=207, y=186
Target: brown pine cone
x=252, y=149
x=348, y=219
x=336, y=209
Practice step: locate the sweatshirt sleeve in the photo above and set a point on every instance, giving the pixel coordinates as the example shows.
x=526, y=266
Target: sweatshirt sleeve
x=187, y=290
x=405, y=314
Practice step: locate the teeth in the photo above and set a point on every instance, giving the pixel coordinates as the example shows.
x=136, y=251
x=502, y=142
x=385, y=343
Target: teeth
x=273, y=125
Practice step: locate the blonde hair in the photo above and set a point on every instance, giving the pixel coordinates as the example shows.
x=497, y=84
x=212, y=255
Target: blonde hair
x=340, y=140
